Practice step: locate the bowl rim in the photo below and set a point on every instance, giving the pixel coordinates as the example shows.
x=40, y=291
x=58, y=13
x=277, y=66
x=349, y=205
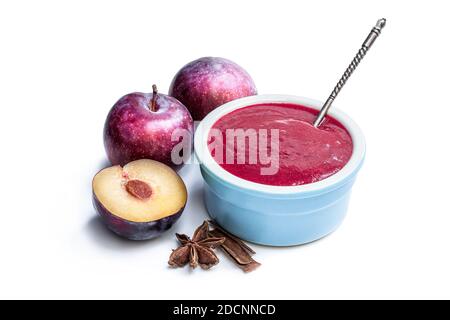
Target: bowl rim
x=207, y=161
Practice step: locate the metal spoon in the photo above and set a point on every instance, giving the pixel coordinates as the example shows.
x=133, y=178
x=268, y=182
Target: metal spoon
x=373, y=35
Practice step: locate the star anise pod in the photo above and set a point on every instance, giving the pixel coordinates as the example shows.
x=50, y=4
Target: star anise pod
x=196, y=251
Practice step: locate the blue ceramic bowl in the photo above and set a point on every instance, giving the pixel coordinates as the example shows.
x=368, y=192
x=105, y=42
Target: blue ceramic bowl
x=276, y=215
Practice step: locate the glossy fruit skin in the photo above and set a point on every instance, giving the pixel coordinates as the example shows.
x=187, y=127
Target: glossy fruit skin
x=207, y=83
x=135, y=230
x=132, y=131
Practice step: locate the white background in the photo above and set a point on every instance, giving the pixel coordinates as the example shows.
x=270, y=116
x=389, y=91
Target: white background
x=63, y=64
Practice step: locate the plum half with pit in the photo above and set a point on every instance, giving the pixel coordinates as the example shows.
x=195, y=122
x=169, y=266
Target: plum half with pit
x=207, y=83
x=140, y=200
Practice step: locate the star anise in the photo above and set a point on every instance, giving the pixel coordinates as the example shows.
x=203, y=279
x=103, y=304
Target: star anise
x=196, y=251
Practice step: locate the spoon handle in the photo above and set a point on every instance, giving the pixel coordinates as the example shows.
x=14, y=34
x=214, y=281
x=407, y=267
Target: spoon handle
x=373, y=35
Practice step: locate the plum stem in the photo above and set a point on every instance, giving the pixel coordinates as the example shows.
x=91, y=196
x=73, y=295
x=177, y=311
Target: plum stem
x=154, y=98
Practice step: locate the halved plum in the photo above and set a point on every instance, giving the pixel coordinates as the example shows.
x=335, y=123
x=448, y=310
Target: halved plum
x=141, y=200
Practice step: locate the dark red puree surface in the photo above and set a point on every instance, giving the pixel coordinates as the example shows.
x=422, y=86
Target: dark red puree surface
x=306, y=154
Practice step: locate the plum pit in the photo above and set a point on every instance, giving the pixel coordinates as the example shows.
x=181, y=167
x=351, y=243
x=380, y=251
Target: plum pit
x=138, y=189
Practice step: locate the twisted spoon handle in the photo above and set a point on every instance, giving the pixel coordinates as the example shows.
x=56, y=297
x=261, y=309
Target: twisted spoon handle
x=373, y=35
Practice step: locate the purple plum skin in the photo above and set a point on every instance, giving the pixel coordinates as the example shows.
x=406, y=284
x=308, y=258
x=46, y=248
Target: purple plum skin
x=207, y=83
x=133, y=132
x=135, y=230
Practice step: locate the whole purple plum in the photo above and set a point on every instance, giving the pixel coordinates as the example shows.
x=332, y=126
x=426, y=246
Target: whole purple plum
x=204, y=84
x=142, y=126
